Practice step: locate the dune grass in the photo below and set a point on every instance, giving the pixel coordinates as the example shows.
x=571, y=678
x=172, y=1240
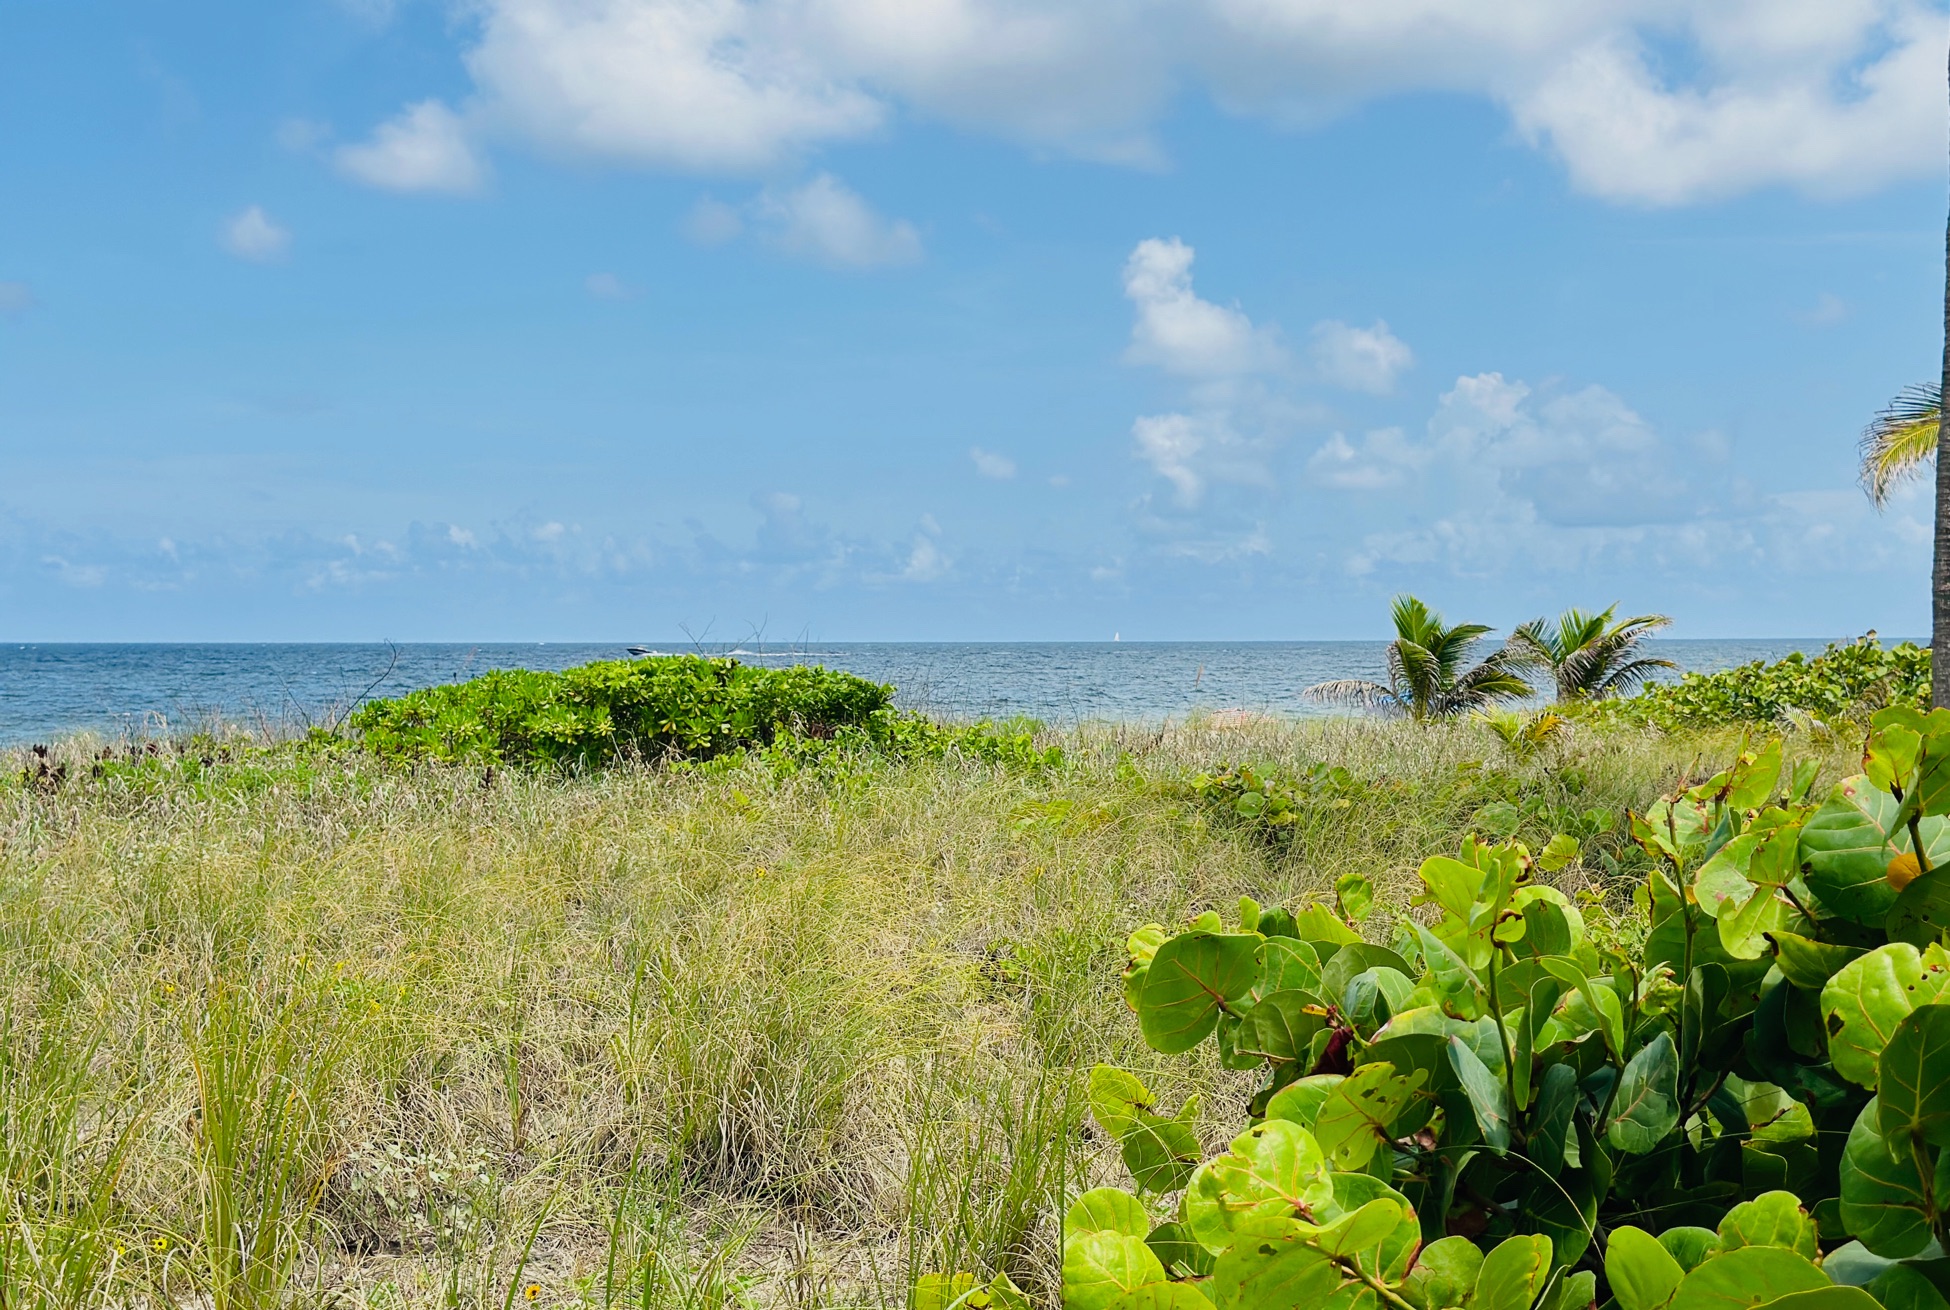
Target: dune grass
x=303, y=1027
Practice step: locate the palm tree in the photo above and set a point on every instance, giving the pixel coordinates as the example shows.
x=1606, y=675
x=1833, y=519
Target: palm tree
x=1904, y=437
x=1589, y=655
x=1429, y=676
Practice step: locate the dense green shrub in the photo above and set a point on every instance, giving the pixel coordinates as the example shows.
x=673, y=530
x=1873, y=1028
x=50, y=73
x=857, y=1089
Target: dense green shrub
x=682, y=708
x=680, y=705
x=1846, y=682
x=1505, y=1109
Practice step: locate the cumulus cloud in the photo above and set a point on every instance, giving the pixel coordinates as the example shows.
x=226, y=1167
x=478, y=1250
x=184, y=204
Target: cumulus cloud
x=712, y=222
x=253, y=236
x=1360, y=359
x=1643, y=100
x=1192, y=451
x=991, y=465
x=829, y=223
x=1384, y=460
x=427, y=148
x=1176, y=330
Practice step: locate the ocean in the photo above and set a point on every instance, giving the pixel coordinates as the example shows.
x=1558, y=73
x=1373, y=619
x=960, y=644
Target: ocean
x=53, y=690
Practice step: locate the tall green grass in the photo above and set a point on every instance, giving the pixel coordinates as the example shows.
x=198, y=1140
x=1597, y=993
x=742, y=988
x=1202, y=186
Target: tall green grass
x=301, y=1027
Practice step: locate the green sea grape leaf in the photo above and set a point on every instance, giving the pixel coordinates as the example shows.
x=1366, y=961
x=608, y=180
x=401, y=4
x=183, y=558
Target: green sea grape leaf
x=1900, y=1287
x=1867, y=997
x=1353, y=959
x=1283, y=1024
x=1558, y=853
x=1273, y=1272
x=1191, y=978
x=1722, y=883
x=1770, y=1219
x=1885, y=1204
x=1846, y=847
x=1388, y=1254
x=1300, y=1101
x=1913, y=1078
x=1161, y=1153
x=1513, y=1273
x=1444, y=1273
x=1354, y=1119
x=1100, y=1267
x=1456, y=985
x=1356, y=895
x=1642, y=1273
x=1825, y=1298
x=1288, y=964
x=1551, y=1119
x=1116, y=1095
x=1451, y=884
x=1646, y=1107
x=1488, y=1099
x=1318, y=924
x=1756, y=778
x=1157, y=1296
x=1690, y=1244
x=1178, y=1250
x=1807, y=963
x=1922, y=908
x=1144, y=943
x=1274, y=1170
x=1749, y=1276
x=1106, y=1210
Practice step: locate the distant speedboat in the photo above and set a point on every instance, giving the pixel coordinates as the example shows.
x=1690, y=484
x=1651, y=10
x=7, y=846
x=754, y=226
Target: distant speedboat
x=639, y=651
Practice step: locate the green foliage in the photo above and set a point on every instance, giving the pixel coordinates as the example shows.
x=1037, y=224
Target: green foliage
x=680, y=705
x=685, y=709
x=1429, y=674
x=1501, y=1110
x=1847, y=682
x=1590, y=656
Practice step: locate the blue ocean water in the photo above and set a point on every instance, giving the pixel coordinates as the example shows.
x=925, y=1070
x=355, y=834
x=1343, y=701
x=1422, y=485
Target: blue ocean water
x=52, y=690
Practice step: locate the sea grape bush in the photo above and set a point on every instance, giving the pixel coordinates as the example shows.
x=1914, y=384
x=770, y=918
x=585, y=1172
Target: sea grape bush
x=1847, y=682
x=680, y=707
x=1500, y=1111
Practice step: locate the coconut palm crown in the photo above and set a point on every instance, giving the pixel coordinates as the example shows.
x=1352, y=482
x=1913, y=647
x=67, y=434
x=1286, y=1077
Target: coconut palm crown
x=1900, y=441
x=1429, y=674
x=1590, y=656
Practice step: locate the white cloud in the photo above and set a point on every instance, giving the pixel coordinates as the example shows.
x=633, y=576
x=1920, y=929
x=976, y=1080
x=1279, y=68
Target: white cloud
x=1385, y=459
x=991, y=465
x=1192, y=451
x=461, y=537
x=694, y=84
x=16, y=298
x=608, y=286
x=925, y=562
x=826, y=222
x=1177, y=331
x=1823, y=95
x=252, y=235
x=1360, y=359
x=427, y=147
x=712, y=222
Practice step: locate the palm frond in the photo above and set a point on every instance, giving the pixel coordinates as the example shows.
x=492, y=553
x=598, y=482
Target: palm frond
x=1351, y=691
x=1900, y=440
x=1628, y=676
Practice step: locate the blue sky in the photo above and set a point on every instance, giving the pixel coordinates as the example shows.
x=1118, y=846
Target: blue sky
x=957, y=319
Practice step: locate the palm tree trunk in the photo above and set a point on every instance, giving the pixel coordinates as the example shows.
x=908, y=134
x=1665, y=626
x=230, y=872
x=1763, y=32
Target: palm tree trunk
x=1940, y=573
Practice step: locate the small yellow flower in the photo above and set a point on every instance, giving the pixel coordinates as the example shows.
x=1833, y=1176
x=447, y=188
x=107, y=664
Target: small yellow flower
x=120, y=1249
x=533, y=1291
x=160, y=1243
x=169, y=989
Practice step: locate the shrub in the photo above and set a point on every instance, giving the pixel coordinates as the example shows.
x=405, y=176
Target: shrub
x=682, y=706
x=1500, y=1109
x=1847, y=681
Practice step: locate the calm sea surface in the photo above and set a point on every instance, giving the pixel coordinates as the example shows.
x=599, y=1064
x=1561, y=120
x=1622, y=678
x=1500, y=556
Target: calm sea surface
x=51, y=690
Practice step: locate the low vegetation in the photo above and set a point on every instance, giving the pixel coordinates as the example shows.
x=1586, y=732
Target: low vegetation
x=1838, y=689
x=303, y=1023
